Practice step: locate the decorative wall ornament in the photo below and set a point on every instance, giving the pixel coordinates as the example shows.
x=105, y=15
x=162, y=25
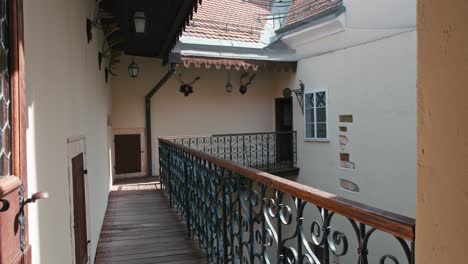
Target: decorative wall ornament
x=346, y=118
x=238, y=64
x=94, y=22
x=349, y=185
x=108, y=53
x=187, y=88
x=245, y=85
x=343, y=141
x=105, y=21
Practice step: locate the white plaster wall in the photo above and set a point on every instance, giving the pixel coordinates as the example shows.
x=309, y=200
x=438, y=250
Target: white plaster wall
x=364, y=21
x=376, y=83
x=380, y=14
x=209, y=110
x=67, y=96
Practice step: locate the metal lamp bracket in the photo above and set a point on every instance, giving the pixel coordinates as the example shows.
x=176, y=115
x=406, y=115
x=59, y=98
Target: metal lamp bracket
x=300, y=95
x=298, y=92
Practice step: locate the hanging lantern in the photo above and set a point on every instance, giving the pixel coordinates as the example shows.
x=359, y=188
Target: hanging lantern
x=133, y=69
x=228, y=86
x=139, y=22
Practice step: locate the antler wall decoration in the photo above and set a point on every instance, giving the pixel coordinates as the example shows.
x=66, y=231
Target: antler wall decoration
x=187, y=88
x=244, y=86
x=104, y=21
x=95, y=22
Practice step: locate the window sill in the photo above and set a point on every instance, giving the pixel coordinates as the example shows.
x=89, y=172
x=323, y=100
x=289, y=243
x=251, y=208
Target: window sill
x=319, y=140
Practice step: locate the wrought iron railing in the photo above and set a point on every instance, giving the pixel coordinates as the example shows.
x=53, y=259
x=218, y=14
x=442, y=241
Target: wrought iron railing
x=268, y=151
x=243, y=215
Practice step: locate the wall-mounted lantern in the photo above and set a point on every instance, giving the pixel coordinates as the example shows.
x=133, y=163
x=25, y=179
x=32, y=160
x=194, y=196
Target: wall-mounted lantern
x=133, y=69
x=228, y=86
x=140, y=22
x=287, y=92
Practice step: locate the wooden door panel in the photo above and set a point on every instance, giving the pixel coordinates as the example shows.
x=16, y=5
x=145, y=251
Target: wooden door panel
x=14, y=243
x=127, y=154
x=79, y=210
x=10, y=248
x=284, y=142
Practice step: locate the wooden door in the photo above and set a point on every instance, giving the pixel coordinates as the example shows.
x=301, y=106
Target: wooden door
x=284, y=123
x=128, y=154
x=79, y=210
x=14, y=242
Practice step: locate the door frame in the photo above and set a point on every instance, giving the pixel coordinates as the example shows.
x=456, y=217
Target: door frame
x=75, y=146
x=282, y=100
x=14, y=187
x=131, y=131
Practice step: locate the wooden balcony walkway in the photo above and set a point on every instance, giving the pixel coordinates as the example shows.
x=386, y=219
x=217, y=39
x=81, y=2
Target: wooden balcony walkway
x=140, y=227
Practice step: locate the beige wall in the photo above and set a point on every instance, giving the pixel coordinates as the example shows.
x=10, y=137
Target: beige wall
x=209, y=110
x=376, y=83
x=67, y=96
x=442, y=205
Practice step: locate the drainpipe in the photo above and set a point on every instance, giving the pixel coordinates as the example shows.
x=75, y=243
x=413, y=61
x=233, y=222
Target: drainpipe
x=149, y=152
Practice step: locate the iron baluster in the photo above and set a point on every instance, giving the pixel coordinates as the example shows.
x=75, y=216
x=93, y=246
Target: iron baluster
x=251, y=220
x=219, y=202
x=171, y=169
x=268, y=154
x=187, y=197
x=263, y=224
x=224, y=193
x=326, y=231
x=299, y=223
x=280, y=254
x=240, y=219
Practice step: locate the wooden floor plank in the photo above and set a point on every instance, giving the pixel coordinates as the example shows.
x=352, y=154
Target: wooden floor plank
x=140, y=227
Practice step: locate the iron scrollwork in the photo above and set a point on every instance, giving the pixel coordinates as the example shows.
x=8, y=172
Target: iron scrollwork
x=257, y=150
x=239, y=220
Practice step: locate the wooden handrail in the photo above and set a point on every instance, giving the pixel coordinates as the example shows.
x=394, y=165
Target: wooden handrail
x=395, y=224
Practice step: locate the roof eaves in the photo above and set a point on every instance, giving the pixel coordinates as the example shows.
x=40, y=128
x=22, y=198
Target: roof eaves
x=313, y=20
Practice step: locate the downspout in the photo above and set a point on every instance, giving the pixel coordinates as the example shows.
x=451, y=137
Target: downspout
x=149, y=151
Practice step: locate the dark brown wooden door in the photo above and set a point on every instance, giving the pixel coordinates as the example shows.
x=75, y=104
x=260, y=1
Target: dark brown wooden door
x=284, y=123
x=127, y=154
x=79, y=210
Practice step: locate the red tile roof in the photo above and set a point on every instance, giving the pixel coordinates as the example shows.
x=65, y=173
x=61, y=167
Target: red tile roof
x=303, y=9
x=244, y=20
x=236, y=20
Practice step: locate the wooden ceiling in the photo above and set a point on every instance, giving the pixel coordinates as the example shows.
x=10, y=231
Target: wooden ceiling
x=166, y=19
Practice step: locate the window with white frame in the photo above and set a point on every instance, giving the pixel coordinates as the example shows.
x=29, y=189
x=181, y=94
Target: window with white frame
x=316, y=113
